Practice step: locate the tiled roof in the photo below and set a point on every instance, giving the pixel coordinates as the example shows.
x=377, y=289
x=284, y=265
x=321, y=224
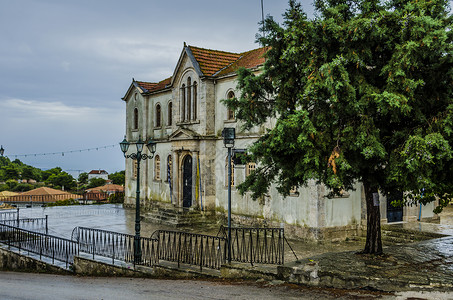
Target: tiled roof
x=249, y=59
x=98, y=172
x=211, y=61
x=152, y=87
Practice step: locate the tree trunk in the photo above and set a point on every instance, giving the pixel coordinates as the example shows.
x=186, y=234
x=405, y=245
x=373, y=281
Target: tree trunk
x=373, y=243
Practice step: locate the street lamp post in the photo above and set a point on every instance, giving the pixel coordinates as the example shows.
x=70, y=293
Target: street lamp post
x=2, y=151
x=229, y=135
x=138, y=156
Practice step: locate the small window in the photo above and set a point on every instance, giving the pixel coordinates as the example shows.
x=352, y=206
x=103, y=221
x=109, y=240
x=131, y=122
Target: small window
x=136, y=118
x=158, y=115
x=157, y=167
x=226, y=172
x=230, y=113
x=170, y=114
x=251, y=166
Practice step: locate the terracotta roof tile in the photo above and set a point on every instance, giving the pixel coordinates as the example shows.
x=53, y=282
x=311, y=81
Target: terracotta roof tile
x=249, y=59
x=153, y=87
x=212, y=61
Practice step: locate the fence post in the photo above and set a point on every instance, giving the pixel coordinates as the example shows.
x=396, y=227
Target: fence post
x=47, y=228
x=18, y=217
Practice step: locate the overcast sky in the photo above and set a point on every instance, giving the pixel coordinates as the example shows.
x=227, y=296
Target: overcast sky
x=65, y=65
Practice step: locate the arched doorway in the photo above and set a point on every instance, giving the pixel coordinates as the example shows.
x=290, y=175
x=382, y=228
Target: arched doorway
x=187, y=182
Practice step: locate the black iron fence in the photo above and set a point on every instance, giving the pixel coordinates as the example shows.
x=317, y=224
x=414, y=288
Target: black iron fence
x=31, y=224
x=256, y=245
x=114, y=245
x=191, y=248
x=9, y=215
x=41, y=244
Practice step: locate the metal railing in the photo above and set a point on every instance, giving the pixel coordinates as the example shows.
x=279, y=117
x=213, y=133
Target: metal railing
x=31, y=224
x=41, y=244
x=9, y=215
x=114, y=245
x=191, y=248
x=256, y=245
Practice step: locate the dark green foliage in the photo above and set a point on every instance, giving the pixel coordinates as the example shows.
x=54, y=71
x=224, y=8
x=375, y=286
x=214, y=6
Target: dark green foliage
x=118, y=177
x=83, y=178
x=95, y=182
x=61, y=180
x=363, y=92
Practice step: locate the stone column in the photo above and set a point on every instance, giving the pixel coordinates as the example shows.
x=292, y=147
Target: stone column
x=195, y=201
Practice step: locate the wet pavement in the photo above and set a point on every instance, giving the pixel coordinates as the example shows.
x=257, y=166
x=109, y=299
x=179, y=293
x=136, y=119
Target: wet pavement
x=426, y=265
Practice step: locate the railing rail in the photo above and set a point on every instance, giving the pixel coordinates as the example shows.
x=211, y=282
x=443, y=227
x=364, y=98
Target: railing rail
x=9, y=215
x=31, y=224
x=41, y=244
x=256, y=245
x=191, y=248
x=114, y=245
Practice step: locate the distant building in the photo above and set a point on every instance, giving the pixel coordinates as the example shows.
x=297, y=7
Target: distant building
x=98, y=174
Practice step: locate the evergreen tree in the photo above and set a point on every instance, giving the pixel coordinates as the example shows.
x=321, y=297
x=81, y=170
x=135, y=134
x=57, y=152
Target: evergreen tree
x=362, y=92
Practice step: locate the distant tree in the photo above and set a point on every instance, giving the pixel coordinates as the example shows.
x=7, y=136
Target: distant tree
x=22, y=187
x=47, y=173
x=29, y=172
x=11, y=171
x=118, y=177
x=11, y=183
x=61, y=180
x=363, y=92
x=83, y=178
x=95, y=182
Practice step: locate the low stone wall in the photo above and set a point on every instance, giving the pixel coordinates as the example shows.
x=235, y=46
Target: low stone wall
x=13, y=261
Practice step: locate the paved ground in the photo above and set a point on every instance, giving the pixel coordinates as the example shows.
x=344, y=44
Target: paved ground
x=426, y=265
x=25, y=286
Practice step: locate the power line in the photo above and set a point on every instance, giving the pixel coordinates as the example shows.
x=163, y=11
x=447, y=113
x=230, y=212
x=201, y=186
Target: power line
x=62, y=153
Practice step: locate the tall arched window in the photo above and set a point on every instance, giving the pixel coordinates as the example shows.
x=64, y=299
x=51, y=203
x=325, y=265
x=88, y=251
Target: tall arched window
x=189, y=99
x=135, y=118
x=170, y=114
x=226, y=171
x=183, y=102
x=230, y=113
x=156, y=167
x=194, y=115
x=158, y=116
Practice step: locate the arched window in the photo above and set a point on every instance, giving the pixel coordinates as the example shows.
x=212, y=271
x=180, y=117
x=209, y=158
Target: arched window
x=135, y=118
x=251, y=166
x=158, y=115
x=157, y=167
x=183, y=103
x=169, y=169
x=189, y=98
x=170, y=114
x=226, y=171
x=230, y=113
x=194, y=115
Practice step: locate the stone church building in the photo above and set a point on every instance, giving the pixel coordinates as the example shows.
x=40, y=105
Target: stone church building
x=184, y=115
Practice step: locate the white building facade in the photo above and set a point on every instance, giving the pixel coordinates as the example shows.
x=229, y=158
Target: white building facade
x=184, y=115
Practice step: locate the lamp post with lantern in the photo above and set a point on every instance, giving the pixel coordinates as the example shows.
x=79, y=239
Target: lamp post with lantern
x=2, y=151
x=229, y=134
x=138, y=156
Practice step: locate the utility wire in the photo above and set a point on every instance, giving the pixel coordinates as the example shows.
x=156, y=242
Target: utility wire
x=62, y=153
